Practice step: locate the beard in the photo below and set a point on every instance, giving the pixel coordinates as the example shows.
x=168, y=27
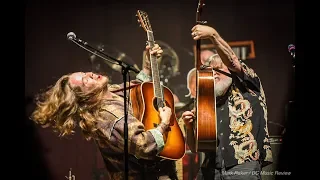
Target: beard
x=222, y=86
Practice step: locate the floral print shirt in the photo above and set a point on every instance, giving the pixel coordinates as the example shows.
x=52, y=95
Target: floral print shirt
x=242, y=130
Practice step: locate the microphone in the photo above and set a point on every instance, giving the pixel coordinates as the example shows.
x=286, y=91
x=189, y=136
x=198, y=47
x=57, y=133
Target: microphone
x=292, y=50
x=72, y=36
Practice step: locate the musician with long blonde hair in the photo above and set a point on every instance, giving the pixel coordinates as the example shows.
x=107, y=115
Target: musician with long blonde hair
x=87, y=100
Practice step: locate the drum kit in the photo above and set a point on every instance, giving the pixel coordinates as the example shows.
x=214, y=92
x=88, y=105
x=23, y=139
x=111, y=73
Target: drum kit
x=112, y=70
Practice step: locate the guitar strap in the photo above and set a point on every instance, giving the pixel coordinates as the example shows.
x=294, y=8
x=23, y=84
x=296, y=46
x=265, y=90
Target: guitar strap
x=118, y=88
x=218, y=70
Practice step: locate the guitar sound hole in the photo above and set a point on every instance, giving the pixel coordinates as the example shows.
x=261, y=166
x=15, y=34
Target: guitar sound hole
x=155, y=125
x=155, y=104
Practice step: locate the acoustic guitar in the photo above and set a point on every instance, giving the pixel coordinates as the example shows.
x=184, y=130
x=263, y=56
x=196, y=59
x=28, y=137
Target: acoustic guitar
x=149, y=96
x=205, y=104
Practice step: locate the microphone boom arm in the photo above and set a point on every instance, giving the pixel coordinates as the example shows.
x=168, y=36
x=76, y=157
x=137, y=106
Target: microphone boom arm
x=72, y=37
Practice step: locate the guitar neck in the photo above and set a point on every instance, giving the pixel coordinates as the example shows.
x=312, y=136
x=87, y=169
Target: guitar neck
x=198, y=57
x=154, y=68
x=198, y=43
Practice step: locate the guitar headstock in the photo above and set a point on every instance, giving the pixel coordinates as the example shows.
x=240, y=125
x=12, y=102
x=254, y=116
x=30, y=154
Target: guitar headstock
x=200, y=5
x=143, y=19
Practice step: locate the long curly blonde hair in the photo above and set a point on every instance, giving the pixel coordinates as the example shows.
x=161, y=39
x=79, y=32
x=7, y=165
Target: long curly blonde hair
x=63, y=108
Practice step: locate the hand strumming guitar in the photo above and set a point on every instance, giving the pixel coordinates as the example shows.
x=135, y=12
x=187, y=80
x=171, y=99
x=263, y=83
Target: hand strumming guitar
x=165, y=114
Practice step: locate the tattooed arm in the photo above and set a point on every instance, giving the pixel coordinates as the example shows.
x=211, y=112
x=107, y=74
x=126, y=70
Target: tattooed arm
x=227, y=55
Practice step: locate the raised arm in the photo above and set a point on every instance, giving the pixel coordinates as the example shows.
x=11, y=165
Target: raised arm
x=227, y=55
x=146, y=74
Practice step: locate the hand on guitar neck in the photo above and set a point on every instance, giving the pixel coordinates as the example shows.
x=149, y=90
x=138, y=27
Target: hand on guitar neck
x=224, y=50
x=155, y=51
x=188, y=117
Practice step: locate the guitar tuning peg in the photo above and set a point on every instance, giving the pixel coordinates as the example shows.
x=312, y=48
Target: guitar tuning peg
x=202, y=22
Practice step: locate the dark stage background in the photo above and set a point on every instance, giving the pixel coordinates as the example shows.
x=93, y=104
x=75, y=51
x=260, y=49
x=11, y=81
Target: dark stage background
x=48, y=55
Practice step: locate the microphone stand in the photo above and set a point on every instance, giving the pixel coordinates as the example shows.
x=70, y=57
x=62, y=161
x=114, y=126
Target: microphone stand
x=126, y=154
x=126, y=67
x=289, y=108
x=293, y=62
x=294, y=77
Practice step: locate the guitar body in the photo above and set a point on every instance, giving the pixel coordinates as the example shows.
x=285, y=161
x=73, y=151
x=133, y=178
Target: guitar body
x=205, y=126
x=145, y=109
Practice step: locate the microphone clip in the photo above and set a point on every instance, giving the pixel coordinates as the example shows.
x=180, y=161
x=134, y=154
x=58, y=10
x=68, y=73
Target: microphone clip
x=292, y=50
x=72, y=37
x=202, y=67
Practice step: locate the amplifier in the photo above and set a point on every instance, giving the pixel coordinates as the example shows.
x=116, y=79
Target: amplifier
x=275, y=142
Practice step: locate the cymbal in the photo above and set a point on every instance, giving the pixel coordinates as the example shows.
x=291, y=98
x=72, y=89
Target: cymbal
x=112, y=52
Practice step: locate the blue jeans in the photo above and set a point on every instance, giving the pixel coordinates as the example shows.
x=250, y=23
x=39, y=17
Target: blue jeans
x=246, y=171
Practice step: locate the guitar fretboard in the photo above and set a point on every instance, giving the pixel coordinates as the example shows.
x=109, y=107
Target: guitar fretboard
x=154, y=68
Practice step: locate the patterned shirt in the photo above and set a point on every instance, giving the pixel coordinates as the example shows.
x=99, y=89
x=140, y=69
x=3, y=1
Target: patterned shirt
x=242, y=130
x=143, y=146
